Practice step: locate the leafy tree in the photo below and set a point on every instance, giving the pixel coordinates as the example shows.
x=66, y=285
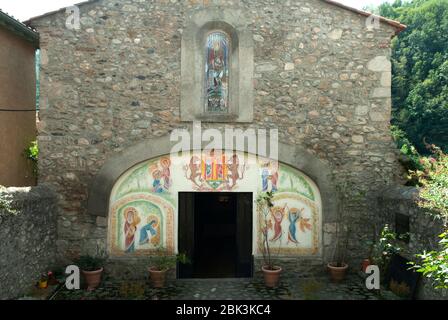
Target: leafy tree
x=420, y=70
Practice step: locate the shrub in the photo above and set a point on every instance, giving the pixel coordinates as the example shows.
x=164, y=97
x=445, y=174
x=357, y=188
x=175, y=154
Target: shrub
x=32, y=153
x=163, y=261
x=434, y=197
x=90, y=263
x=434, y=264
x=433, y=180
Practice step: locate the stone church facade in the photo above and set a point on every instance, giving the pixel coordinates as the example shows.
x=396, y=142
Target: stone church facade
x=113, y=91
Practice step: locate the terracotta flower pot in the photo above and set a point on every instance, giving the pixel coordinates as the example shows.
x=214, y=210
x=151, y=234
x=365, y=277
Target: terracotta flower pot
x=271, y=277
x=365, y=264
x=93, y=278
x=157, y=277
x=337, y=273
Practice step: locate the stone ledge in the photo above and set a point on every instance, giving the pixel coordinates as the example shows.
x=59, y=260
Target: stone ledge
x=399, y=193
x=43, y=191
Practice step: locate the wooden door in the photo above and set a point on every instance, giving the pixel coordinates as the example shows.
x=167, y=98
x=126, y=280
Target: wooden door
x=244, y=266
x=186, y=233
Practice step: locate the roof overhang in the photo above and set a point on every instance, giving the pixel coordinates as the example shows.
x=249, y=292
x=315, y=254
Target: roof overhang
x=19, y=29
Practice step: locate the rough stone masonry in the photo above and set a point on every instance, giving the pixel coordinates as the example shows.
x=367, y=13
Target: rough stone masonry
x=321, y=77
x=28, y=238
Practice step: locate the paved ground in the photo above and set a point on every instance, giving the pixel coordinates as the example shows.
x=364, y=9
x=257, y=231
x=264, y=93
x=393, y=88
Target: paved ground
x=303, y=289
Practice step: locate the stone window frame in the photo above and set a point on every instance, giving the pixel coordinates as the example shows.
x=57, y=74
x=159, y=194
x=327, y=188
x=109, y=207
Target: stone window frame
x=200, y=24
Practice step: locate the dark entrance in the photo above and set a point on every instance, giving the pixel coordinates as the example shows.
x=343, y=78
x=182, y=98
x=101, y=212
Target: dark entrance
x=215, y=231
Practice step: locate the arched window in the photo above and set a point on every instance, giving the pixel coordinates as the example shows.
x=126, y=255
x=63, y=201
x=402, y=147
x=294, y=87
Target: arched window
x=217, y=66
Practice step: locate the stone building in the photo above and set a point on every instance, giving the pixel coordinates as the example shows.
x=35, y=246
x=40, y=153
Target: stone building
x=114, y=89
x=17, y=100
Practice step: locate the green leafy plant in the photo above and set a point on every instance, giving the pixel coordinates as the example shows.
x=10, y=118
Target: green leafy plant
x=32, y=153
x=384, y=248
x=163, y=261
x=434, y=197
x=434, y=264
x=264, y=204
x=410, y=158
x=6, y=202
x=90, y=263
x=420, y=65
x=433, y=180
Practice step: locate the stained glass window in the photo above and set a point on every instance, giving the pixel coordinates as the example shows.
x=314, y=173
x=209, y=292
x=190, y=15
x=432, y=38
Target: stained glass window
x=217, y=72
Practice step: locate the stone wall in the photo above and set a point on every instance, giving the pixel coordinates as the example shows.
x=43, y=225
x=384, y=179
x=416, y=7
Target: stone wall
x=320, y=77
x=28, y=239
x=424, y=229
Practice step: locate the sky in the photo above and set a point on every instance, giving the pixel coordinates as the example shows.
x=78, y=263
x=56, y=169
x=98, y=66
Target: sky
x=25, y=9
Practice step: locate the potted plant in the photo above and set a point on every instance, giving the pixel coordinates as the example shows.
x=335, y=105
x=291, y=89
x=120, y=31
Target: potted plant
x=43, y=281
x=271, y=272
x=161, y=263
x=338, y=265
x=365, y=263
x=370, y=244
x=92, y=268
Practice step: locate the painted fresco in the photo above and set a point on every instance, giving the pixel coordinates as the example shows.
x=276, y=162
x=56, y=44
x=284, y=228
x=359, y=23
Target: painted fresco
x=142, y=210
x=215, y=171
x=143, y=206
x=293, y=225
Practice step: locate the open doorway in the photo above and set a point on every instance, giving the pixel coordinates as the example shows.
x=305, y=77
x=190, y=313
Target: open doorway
x=215, y=231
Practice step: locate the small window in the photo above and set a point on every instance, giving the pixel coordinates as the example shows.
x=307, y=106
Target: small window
x=217, y=72
x=402, y=227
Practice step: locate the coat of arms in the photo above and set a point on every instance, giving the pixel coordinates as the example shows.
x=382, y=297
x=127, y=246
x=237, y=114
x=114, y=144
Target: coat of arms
x=215, y=171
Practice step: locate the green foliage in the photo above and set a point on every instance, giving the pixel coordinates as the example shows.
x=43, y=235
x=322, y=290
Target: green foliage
x=90, y=263
x=433, y=179
x=434, y=197
x=434, y=264
x=32, y=153
x=384, y=248
x=420, y=70
x=163, y=261
x=6, y=202
x=411, y=157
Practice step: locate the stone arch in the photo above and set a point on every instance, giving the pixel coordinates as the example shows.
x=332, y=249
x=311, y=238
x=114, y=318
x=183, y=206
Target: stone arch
x=234, y=23
x=295, y=156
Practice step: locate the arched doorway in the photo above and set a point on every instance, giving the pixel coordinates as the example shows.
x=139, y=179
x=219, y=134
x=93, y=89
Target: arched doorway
x=193, y=202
